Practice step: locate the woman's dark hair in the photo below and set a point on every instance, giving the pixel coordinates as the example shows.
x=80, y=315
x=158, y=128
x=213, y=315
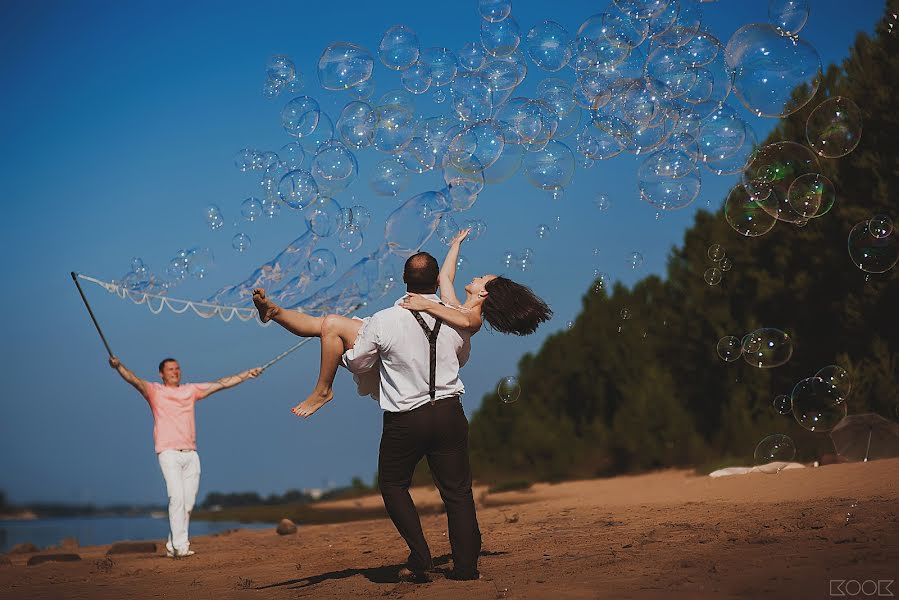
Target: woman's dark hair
x=513, y=308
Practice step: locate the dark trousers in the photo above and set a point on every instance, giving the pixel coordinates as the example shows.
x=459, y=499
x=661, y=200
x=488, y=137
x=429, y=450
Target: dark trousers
x=440, y=432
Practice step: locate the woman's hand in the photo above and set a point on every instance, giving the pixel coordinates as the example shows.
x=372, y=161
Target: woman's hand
x=416, y=302
x=460, y=236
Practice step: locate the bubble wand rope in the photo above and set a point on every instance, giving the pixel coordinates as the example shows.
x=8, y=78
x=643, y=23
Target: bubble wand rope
x=90, y=312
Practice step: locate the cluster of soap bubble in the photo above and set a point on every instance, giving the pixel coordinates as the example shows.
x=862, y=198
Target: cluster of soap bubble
x=873, y=245
x=194, y=262
x=720, y=264
x=818, y=403
x=281, y=75
x=764, y=348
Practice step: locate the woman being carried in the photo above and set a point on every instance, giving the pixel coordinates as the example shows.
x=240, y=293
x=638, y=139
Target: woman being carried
x=507, y=306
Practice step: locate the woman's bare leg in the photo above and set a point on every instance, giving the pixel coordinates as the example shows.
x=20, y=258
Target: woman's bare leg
x=293, y=321
x=338, y=335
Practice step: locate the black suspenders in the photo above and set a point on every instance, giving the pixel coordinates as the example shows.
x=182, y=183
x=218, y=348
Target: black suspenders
x=432, y=340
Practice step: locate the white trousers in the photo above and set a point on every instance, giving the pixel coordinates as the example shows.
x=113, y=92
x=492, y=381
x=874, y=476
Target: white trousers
x=181, y=471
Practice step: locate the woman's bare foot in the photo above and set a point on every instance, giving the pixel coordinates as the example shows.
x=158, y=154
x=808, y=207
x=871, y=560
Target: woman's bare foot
x=267, y=309
x=311, y=404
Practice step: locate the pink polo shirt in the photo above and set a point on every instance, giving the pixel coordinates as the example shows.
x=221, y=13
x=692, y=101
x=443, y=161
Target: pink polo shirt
x=174, y=426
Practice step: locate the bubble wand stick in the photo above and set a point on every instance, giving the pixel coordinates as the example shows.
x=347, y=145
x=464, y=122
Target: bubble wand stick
x=90, y=312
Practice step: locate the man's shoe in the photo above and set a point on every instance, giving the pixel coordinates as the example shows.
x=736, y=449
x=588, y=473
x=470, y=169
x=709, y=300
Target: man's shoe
x=457, y=575
x=177, y=554
x=407, y=574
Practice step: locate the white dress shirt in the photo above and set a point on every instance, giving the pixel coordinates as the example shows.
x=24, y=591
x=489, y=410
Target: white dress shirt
x=394, y=336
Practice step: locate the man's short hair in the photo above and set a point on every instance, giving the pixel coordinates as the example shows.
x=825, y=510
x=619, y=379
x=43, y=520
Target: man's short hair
x=165, y=360
x=420, y=273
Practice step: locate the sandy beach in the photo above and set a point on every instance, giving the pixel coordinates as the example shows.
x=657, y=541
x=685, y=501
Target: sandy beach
x=671, y=534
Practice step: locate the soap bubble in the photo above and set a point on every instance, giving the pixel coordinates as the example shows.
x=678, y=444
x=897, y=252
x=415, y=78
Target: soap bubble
x=463, y=187
x=817, y=405
x=343, y=65
x=363, y=91
x=551, y=168
x=241, y=242
x=782, y=404
x=137, y=265
x=773, y=169
x=245, y=160
x=712, y=276
x=643, y=9
x=472, y=96
x=334, y=167
x=323, y=216
x=724, y=264
x=477, y=229
x=774, y=75
x=390, y=178
x=602, y=201
x=213, y=217
x=251, y=209
x=509, y=259
x=293, y=155
x=298, y=189
x=729, y=348
x=767, y=348
x=834, y=128
x=625, y=314
x=393, y=131
x=634, y=260
x=789, y=16
x=549, y=45
x=271, y=207
x=837, y=377
x=471, y=57
x=872, y=254
x=199, y=262
x=716, y=252
x=542, y=231
x=507, y=165
x=322, y=263
x=500, y=38
x=744, y=214
x=494, y=10
x=413, y=222
x=356, y=124
x=508, y=389
x=399, y=48
x=668, y=180
x=350, y=238
x=300, y=116
x=880, y=226
x=477, y=147
x=360, y=217
x=280, y=68
x=774, y=448
x=442, y=63
x=811, y=195
x=417, y=78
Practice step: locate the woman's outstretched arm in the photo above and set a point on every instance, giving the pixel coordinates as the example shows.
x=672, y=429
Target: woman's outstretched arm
x=468, y=318
x=448, y=271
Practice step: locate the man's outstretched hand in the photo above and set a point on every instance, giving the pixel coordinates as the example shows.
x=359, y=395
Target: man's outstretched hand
x=114, y=362
x=254, y=372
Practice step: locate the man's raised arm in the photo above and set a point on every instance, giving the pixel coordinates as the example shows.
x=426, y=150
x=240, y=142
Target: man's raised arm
x=139, y=384
x=227, y=382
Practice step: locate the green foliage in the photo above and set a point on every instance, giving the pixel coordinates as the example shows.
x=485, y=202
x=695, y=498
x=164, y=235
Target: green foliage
x=597, y=401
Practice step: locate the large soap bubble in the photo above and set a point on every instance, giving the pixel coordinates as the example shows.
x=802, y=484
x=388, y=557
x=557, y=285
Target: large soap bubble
x=817, y=405
x=241, y=242
x=322, y=263
x=773, y=168
x=442, y=63
x=412, y=224
x=293, y=155
x=744, y=214
x=643, y=9
x=872, y=254
x=298, y=189
x=389, y=178
x=394, y=129
x=774, y=75
x=549, y=45
x=550, y=168
x=343, y=65
x=472, y=97
x=323, y=216
x=767, y=348
x=477, y=146
x=789, y=16
x=356, y=124
x=811, y=195
x=417, y=78
x=300, y=116
x=471, y=57
x=837, y=377
x=834, y=128
x=399, y=48
x=729, y=348
x=500, y=38
x=777, y=449
x=334, y=167
x=494, y=10
x=669, y=179
x=214, y=217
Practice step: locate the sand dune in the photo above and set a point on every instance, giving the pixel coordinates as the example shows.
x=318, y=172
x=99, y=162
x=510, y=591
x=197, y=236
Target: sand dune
x=663, y=535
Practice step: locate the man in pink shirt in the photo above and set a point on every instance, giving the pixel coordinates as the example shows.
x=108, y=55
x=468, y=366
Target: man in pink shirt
x=175, y=436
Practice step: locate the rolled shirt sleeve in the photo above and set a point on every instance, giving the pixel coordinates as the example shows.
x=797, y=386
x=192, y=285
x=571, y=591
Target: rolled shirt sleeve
x=363, y=356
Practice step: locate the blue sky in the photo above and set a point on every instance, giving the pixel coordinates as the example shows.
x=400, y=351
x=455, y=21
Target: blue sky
x=120, y=121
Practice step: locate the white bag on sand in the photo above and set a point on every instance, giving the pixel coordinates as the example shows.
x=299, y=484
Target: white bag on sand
x=772, y=467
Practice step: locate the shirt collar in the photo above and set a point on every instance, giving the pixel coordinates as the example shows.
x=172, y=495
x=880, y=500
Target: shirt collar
x=433, y=297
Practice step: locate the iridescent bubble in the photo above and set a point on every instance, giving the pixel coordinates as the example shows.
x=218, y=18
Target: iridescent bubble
x=500, y=38
x=417, y=156
x=771, y=172
x=213, y=217
x=251, y=209
x=350, y=238
x=463, y=187
x=872, y=254
x=390, y=178
x=767, y=348
x=669, y=180
x=744, y=214
x=343, y=65
x=494, y=10
x=837, y=377
x=777, y=448
x=817, y=405
x=551, y=168
x=634, y=260
x=774, y=75
x=394, y=129
x=508, y=389
x=602, y=201
x=323, y=216
x=712, y=276
x=322, y=263
x=399, y=48
x=361, y=217
x=300, y=116
x=356, y=125
x=880, y=226
x=334, y=167
x=716, y=252
x=789, y=16
x=549, y=45
x=472, y=97
x=729, y=348
x=834, y=128
x=782, y=404
x=811, y=195
x=417, y=78
x=245, y=160
x=298, y=189
x=241, y=242
x=477, y=147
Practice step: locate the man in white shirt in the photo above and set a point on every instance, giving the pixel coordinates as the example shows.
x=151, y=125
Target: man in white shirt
x=420, y=393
